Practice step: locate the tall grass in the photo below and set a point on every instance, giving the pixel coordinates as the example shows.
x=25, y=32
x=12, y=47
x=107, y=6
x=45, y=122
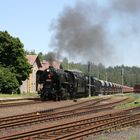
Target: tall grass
x=2, y=95
x=135, y=101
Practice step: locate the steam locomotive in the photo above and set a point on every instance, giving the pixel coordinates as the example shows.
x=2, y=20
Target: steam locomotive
x=59, y=84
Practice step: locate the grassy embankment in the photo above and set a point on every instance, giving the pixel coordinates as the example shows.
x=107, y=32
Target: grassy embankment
x=135, y=101
x=18, y=95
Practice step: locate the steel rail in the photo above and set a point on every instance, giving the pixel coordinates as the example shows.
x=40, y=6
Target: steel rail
x=97, y=124
x=59, y=115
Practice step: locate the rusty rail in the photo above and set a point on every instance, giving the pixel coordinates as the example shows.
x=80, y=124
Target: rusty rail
x=81, y=128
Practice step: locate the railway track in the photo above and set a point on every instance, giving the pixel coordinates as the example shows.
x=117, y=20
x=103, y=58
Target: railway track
x=47, y=115
x=82, y=127
x=5, y=105
x=48, y=111
x=62, y=110
x=92, y=127
x=57, y=114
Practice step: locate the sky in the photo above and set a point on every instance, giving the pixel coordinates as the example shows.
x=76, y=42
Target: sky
x=101, y=31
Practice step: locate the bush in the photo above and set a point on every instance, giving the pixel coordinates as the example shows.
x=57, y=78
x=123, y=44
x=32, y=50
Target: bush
x=8, y=81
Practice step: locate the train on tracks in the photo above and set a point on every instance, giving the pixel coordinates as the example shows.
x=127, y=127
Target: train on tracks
x=59, y=84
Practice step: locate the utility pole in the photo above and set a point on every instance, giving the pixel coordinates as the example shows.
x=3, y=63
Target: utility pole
x=122, y=74
x=89, y=78
x=106, y=77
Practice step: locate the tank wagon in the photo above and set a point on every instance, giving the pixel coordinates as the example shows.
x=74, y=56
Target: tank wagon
x=59, y=84
x=104, y=87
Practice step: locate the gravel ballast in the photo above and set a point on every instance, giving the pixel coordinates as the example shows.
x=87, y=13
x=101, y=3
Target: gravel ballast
x=131, y=133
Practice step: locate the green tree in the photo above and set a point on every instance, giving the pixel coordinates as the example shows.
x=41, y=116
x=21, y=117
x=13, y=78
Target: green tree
x=65, y=63
x=13, y=57
x=32, y=52
x=8, y=81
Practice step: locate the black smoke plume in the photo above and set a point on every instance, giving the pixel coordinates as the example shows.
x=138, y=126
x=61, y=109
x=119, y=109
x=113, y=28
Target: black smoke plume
x=126, y=6
x=83, y=32
x=51, y=57
x=80, y=36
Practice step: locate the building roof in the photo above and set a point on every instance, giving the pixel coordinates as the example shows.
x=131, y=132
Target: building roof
x=42, y=65
x=32, y=59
